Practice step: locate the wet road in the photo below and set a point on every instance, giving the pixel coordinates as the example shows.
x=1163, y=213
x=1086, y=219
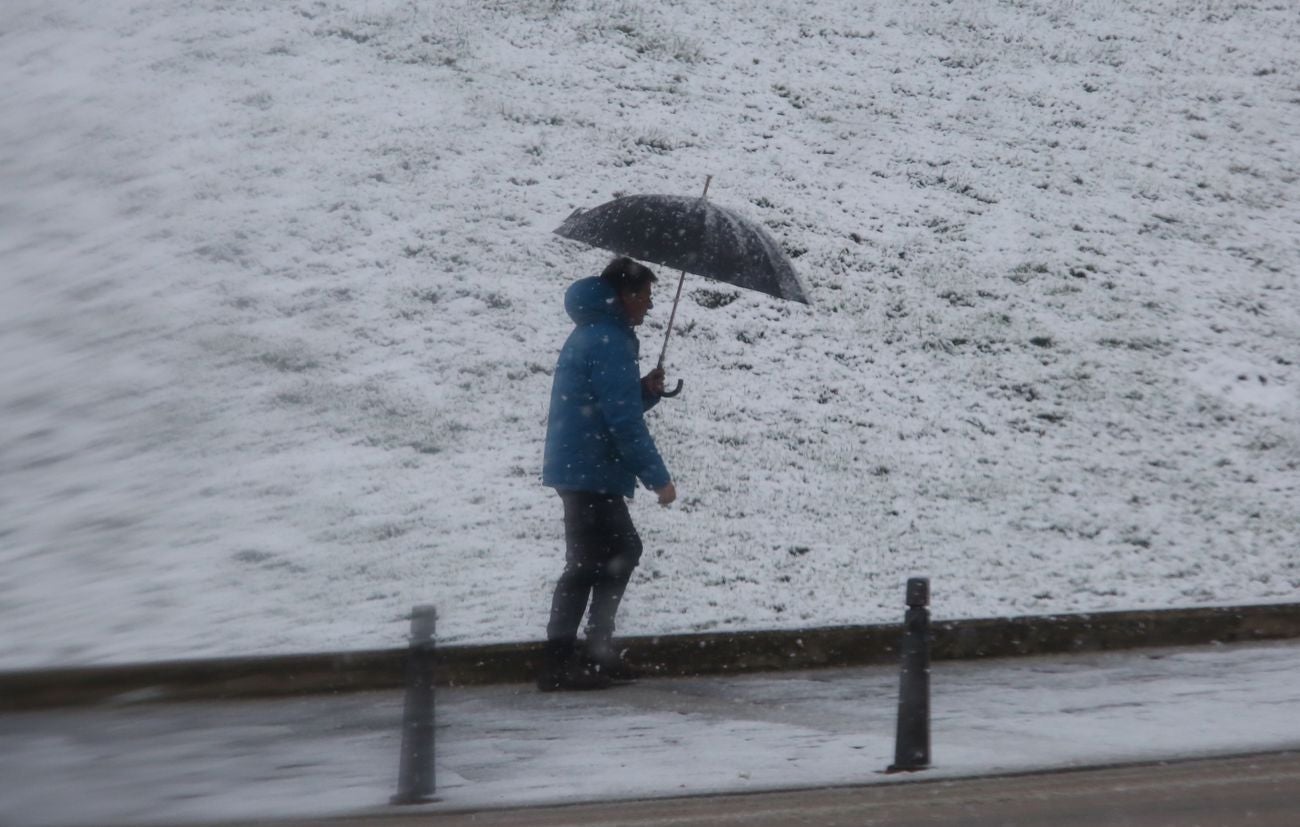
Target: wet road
x=1254, y=791
x=317, y=759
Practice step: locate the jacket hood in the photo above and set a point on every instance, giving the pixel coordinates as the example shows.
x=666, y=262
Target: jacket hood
x=593, y=300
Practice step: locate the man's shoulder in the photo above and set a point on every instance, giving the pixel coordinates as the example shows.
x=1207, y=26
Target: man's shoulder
x=603, y=336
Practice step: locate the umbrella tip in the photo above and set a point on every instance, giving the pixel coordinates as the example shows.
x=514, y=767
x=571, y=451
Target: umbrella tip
x=564, y=225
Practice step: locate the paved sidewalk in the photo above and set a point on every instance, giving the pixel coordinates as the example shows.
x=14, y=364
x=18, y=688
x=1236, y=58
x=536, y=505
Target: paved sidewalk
x=510, y=745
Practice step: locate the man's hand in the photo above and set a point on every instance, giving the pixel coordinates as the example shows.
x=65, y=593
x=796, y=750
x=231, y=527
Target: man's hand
x=653, y=382
x=667, y=494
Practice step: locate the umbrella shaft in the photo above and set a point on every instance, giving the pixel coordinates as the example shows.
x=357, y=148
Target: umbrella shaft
x=681, y=279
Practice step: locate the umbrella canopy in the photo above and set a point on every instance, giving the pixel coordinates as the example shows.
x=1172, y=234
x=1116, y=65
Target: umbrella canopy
x=689, y=234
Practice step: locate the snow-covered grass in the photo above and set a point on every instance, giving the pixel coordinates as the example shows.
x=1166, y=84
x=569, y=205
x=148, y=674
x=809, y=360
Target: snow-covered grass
x=282, y=302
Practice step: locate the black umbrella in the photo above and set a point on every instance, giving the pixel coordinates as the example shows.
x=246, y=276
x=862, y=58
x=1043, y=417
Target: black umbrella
x=691, y=235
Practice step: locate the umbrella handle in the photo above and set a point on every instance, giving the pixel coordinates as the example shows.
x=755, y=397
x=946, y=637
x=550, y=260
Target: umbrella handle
x=670, y=394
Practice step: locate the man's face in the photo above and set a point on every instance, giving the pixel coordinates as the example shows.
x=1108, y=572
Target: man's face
x=637, y=304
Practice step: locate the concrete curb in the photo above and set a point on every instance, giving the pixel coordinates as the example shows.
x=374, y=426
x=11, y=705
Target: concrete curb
x=665, y=655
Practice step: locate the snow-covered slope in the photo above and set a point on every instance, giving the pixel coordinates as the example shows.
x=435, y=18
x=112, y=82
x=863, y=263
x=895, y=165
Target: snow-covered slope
x=282, y=301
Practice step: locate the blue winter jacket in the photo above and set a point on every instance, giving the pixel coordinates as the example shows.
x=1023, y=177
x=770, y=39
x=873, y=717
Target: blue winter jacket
x=596, y=436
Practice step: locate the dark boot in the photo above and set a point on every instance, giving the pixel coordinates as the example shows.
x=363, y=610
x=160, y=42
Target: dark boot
x=555, y=656
x=607, y=659
x=563, y=670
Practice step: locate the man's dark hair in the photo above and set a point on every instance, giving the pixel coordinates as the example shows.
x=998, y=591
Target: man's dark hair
x=626, y=275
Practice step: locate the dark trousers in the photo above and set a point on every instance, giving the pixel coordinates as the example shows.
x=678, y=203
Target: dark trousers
x=602, y=549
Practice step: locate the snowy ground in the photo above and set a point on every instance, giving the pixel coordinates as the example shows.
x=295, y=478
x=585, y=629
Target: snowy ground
x=281, y=303
x=513, y=746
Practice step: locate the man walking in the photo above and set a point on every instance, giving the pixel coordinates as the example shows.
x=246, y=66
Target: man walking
x=597, y=447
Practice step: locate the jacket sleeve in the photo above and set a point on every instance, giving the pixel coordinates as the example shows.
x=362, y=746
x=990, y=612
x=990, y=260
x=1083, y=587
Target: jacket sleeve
x=618, y=395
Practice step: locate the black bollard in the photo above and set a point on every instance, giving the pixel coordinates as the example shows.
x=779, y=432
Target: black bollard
x=912, y=743
x=415, y=776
